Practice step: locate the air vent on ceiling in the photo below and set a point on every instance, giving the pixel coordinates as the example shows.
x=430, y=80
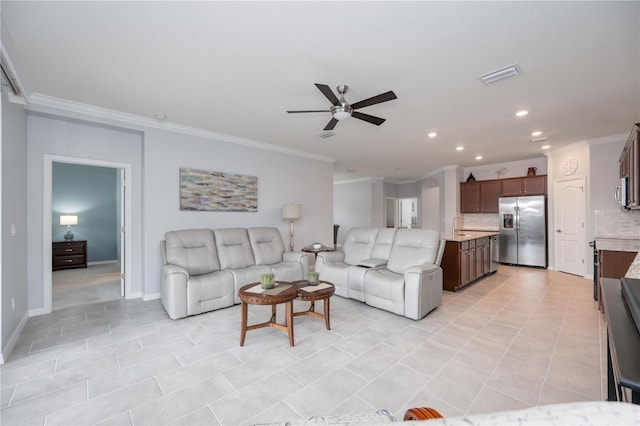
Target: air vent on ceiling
x=501, y=74
x=325, y=134
x=538, y=140
x=8, y=78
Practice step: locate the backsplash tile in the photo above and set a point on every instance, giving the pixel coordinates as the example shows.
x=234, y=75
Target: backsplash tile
x=618, y=223
x=481, y=222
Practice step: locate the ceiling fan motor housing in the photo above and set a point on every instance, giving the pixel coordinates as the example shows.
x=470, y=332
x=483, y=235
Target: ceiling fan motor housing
x=341, y=112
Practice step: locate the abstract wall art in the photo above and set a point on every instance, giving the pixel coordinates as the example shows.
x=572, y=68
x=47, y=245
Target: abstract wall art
x=202, y=190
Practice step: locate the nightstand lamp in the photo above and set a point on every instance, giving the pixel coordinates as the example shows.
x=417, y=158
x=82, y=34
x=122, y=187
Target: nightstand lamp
x=68, y=220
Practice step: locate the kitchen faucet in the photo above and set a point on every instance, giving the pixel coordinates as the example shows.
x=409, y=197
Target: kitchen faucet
x=455, y=222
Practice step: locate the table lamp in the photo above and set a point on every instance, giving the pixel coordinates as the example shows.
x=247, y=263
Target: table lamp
x=68, y=220
x=291, y=212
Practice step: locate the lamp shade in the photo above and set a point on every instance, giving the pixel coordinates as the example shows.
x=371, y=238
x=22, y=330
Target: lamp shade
x=291, y=211
x=68, y=220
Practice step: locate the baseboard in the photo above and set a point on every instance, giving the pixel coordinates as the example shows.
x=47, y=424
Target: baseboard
x=6, y=351
x=38, y=311
x=101, y=262
x=151, y=296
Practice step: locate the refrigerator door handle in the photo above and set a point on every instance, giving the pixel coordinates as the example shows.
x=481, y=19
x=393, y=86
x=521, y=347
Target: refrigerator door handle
x=517, y=209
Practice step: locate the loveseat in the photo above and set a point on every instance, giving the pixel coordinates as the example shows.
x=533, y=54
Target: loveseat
x=395, y=270
x=204, y=268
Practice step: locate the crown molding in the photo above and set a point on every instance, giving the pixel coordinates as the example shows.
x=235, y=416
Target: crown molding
x=608, y=139
x=62, y=107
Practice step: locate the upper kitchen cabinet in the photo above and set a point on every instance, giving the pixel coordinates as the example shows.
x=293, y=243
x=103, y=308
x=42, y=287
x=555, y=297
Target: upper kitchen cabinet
x=529, y=185
x=480, y=196
x=630, y=170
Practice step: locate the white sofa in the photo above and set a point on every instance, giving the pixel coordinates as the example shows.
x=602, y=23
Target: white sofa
x=395, y=270
x=203, y=268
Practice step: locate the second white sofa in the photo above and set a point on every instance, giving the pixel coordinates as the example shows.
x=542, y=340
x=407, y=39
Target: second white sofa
x=395, y=270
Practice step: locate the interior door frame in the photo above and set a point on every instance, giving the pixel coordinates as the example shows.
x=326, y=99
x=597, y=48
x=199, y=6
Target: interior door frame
x=125, y=211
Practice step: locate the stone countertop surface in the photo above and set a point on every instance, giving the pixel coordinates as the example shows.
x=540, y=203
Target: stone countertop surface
x=468, y=235
x=618, y=244
x=634, y=269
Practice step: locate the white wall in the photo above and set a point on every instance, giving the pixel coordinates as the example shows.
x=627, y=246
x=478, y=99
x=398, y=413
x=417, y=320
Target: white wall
x=508, y=169
x=156, y=156
x=82, y=140
x=352, y=206
x=282, y=179
x=604, y=162
x=14, y=213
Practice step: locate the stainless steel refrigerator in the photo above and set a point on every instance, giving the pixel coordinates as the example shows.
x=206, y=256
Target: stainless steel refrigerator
x=523, y=230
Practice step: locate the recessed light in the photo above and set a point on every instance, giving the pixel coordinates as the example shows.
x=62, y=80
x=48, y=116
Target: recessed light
x=459, y=148
x=522, y=113
x=536, y=133
x=545, y=146
x=478, y=157
x=432, y=134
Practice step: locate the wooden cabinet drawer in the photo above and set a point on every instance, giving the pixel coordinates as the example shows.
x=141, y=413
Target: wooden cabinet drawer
x=482, y=242
x=464, y=245
x=68, y=254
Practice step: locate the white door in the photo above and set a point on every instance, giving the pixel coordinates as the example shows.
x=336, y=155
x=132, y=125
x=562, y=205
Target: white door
x=569, y=232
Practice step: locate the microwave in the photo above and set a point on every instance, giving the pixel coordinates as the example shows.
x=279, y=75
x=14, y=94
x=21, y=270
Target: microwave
x=622, y=191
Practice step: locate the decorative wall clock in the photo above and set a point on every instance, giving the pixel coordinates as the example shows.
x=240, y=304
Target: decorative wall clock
x=568, y=166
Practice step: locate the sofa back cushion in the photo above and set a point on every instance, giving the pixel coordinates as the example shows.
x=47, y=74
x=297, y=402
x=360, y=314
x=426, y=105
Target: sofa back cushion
x=384, y=241
x=234, y=249
x=192, y=249
x=413, y=247
x=266, y=244
x=359, y=244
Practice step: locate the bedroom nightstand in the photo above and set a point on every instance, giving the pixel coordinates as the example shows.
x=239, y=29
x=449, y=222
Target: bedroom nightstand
x=69, y=254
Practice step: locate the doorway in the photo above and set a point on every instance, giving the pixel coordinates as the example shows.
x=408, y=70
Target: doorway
x=122, y=212
x=401, y=212
x=569, y=232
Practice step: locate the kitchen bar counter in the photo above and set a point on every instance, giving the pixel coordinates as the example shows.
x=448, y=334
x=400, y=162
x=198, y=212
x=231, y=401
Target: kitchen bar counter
x=468, y=235
x=618, y=244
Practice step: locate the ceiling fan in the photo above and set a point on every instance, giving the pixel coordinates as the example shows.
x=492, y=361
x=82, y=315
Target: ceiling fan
x=341, y=109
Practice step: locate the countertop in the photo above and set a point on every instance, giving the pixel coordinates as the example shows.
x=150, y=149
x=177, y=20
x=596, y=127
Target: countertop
x=618, y=244
x=468, y=235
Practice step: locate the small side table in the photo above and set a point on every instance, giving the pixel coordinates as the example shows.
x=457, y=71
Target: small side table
x=285, y=296
x=323, y=294
x=315, y=251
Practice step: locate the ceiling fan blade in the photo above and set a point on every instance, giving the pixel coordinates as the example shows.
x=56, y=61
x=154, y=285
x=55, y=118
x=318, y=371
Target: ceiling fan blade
x=326, y=91
x=311, y=110
x=331, y=124
x=383, y=97
x=368, y=118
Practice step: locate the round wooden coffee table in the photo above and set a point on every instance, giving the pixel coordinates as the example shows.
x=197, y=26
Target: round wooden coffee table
x=312, y=295
x=249, y=295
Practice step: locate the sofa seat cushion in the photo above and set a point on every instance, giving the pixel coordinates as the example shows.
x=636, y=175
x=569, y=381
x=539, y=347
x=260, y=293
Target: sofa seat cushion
x=243, y=276
x=234, y=248
x=209, y=292
x=192, y=249
x=385, y=290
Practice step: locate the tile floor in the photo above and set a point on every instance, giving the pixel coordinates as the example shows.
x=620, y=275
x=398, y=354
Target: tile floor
x=522, y=337
x=81, y=286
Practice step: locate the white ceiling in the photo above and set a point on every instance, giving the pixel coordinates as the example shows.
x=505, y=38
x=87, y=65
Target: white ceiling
x=236, y=67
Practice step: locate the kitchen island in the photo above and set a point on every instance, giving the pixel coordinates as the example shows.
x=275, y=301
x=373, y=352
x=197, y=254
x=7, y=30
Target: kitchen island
x=467, y=258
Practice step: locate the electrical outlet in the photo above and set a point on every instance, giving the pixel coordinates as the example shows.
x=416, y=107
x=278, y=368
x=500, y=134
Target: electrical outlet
x=13, y=303
x=13, y=230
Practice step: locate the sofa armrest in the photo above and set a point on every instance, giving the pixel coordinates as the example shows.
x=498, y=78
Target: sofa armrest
x=174, y=290
x=422, y=290
x=298, y=256
x=328, y=256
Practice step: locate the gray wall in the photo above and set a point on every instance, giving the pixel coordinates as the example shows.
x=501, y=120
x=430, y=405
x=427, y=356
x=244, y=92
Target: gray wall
x=14, y=212
x=282, y=178
x=352, y=207
x=89, y=192
x=604, y=157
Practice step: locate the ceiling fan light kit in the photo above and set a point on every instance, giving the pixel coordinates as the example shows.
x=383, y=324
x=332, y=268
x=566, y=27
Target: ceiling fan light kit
x=341, y=109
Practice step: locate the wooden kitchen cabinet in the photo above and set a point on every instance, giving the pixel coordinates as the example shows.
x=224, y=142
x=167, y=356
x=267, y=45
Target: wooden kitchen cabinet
x=69, y=254
x=630, y=168
x=612, y=264
x=464, y=262
x=480, y=196
x=528, y=185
